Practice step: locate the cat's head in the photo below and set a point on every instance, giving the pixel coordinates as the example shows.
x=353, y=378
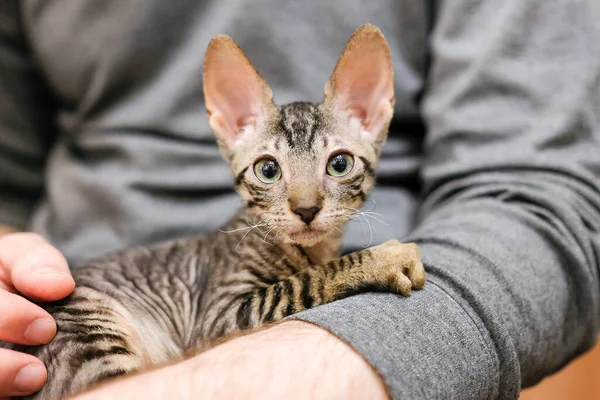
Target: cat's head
x=304, y=168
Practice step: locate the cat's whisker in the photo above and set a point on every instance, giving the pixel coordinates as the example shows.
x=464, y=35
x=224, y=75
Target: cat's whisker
x=258, y=218
x=266, y=235
x=362, y=223
x=376, y=218
x=248, y=222
x=374, y=206
x=263, y=221
x=332, y=225
x=243, y=237
x=373, y=213
x=369, y=213
x=370, y=230
x=264, y=228
x=237, y=248
x=355, y=212
x=365, y=221
x=238, y=229
x=336, y=228
x=278, y=233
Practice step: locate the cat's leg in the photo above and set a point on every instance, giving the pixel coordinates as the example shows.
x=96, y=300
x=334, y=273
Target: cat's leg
x=95, y=341
x=392, y=267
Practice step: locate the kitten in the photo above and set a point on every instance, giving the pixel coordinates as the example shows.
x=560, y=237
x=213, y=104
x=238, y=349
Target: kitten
x=303, y=170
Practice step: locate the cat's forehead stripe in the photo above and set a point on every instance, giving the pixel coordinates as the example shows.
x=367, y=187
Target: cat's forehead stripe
x=300, y=123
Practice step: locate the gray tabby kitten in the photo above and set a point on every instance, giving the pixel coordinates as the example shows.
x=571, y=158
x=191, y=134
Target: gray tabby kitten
x=303, y=170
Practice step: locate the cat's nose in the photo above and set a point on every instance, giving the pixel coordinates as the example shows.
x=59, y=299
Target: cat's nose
x=307, y=214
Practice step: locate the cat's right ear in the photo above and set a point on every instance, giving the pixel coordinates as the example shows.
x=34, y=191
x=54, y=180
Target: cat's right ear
x=237, y=97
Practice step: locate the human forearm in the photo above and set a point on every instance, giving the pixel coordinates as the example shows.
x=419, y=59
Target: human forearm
x=290, y=360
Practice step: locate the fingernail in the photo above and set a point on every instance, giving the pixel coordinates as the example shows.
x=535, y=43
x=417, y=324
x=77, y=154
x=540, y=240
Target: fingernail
x=29, y=379
x=40, y=331
x=50, y=271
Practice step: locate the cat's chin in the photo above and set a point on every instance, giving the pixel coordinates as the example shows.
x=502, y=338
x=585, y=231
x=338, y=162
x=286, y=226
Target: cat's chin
x=307, y=238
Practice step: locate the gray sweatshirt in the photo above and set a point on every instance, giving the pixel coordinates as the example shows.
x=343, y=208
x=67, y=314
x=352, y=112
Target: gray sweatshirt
x=492, y=165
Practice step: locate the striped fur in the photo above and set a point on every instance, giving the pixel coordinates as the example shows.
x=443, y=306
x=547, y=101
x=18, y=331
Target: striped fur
x=154, y=304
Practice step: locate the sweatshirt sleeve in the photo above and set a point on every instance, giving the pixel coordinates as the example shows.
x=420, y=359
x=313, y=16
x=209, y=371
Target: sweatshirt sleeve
x=26, y=122
x=510, y=222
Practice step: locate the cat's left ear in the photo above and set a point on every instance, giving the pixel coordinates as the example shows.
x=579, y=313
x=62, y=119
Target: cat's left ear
x=362, y=83
x=237, y=97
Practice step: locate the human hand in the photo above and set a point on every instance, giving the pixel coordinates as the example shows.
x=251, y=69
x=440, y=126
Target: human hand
x=292, y=360
x=29, y=267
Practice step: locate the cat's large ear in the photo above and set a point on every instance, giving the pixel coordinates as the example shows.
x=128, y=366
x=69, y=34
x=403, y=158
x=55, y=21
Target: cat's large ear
x=362, y=83
x=236, y=96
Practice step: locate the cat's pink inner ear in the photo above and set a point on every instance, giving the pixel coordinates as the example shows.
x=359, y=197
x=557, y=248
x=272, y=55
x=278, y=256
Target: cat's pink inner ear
x=362, y=83
x=234, y=92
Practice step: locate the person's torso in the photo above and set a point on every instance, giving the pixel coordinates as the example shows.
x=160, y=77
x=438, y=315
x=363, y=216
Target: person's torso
x=136, y=161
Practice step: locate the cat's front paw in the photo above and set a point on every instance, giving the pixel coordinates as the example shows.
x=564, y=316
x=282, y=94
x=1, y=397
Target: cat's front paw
x=399, y=265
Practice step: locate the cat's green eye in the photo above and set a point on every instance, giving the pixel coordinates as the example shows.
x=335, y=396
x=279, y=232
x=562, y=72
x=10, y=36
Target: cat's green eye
x=267, y=170
x=340, y=164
